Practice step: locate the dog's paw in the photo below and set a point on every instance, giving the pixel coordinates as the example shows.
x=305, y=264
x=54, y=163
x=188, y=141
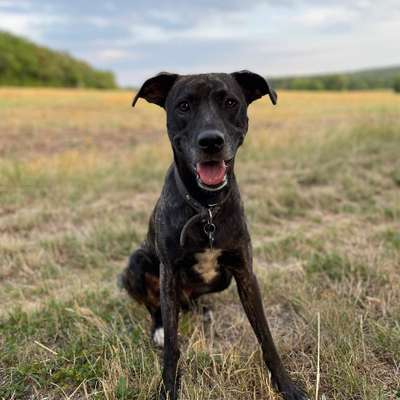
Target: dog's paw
x=168, y=394
x=288, y=389
x=208, y=315
x=293, y=392
x=158, y=337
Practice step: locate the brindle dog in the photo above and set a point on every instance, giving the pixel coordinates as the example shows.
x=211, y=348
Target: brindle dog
x=198, y=238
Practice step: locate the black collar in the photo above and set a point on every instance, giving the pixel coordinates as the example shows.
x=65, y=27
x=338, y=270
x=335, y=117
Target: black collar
x=204, y=213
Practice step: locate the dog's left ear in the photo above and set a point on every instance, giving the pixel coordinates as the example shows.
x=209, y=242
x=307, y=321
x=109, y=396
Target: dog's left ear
x=254, y=86
x=155, y=90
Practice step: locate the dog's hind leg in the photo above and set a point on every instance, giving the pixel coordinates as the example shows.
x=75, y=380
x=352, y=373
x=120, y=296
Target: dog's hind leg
x=132, y=279
x=141, y=280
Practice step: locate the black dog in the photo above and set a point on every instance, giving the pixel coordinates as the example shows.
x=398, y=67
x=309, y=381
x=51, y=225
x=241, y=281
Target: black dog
x=198, y=238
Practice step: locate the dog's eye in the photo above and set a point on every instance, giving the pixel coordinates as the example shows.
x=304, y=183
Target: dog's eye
x=230, y=103
x=183, y=106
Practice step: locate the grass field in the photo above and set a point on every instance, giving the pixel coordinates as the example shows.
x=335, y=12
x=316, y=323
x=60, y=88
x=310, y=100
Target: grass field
x=79, y=174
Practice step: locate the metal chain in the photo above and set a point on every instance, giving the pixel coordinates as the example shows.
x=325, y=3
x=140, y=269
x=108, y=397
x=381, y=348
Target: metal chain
x=209, y=228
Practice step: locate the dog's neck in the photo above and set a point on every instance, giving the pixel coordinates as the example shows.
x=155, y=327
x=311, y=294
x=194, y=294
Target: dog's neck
x=204, y=197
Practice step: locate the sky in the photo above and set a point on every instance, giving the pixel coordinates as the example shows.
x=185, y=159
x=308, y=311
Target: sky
x=137, y=39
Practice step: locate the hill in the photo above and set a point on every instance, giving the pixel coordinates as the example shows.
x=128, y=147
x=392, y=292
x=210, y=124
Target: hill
x=23, y=63
x=375, y=78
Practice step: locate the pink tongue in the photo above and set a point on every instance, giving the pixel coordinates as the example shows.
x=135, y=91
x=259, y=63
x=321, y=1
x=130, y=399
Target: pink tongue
x=211, y=173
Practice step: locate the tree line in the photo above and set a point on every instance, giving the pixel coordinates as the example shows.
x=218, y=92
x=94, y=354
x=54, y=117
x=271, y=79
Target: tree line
x=385, y=78
x=23, y=63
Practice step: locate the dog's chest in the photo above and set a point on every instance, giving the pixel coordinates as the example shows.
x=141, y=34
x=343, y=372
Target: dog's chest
x=206, y=264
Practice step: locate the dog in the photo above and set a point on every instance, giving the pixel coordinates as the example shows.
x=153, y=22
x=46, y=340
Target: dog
x=197, y=238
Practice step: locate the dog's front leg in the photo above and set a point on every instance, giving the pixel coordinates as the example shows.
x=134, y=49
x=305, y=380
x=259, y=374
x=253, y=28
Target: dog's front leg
x=170, y=314
x=250, y=297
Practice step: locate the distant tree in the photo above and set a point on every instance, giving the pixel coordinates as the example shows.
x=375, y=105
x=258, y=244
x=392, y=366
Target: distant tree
x=396, y=84
x=316, y=84
x=306, y=84
x=357, y=83
x=335, y=82
x=299, y=84
x=380, y=78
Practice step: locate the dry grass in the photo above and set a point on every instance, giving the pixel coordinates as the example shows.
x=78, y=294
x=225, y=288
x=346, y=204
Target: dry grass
x=79, y=173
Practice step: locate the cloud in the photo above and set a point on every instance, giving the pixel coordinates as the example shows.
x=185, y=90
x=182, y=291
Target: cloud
x=99, y=22
x=22, y=18
x=111, y=55
x=320, y=17
x=29, y=25
x=20, y=5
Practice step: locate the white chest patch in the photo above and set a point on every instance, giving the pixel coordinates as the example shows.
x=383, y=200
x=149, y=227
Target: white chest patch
x=207, y=264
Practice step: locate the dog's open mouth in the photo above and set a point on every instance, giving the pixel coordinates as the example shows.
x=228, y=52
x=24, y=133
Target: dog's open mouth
x=211, y=175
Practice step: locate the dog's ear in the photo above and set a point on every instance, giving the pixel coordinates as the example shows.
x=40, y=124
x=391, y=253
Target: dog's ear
x=254, y=86
x=155, y=90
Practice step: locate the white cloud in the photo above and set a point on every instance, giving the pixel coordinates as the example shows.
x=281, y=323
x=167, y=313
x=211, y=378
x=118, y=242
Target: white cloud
x=230, y=24
x=318, y=17
x=20, y=4
x=146, y=33
x=30, y=25
x=99, y=22
x=110, y=55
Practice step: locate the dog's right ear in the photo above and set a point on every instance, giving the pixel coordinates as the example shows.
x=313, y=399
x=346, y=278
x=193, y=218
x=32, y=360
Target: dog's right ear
x=155, y=90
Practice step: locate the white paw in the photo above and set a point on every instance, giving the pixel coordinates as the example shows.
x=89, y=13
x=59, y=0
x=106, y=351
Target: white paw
x=158, y=337
x=208, y=316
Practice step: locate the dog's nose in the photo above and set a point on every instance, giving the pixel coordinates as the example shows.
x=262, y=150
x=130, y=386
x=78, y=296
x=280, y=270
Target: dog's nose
x=211, y=141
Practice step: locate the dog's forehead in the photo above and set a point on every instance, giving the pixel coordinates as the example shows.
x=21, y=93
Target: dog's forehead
x=202, y=84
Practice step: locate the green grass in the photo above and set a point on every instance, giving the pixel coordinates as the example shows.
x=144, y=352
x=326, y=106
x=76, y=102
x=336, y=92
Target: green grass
x=324, y=212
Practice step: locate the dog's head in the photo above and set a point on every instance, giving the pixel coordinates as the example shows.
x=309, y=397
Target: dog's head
x=206, y=118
